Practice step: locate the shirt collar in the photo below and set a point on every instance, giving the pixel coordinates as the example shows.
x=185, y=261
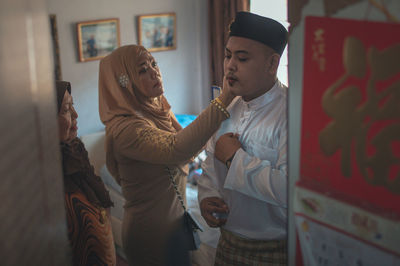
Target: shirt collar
x=264, y=99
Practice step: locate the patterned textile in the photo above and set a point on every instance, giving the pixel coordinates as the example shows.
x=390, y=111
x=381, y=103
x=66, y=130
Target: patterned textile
x=79, y=174
x=89, y=232
x=234, y=250
x=161, y=139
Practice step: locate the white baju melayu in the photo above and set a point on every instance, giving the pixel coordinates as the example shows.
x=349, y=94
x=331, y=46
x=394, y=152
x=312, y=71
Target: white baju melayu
x=254, y=187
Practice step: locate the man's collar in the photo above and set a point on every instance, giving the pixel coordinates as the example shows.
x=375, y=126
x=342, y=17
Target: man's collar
x=264, y=99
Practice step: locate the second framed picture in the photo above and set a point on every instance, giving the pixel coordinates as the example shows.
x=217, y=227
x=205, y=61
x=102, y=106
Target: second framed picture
x=157, y=32
x=97, y=38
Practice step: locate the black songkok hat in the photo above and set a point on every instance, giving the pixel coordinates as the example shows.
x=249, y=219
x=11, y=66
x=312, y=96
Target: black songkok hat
x=265, y=30
x=61, y=87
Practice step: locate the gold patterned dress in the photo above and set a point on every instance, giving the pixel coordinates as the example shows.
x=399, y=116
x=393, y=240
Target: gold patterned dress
x=142, y=153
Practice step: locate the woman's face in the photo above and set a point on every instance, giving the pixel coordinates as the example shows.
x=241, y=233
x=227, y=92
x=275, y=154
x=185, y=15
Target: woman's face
x=149, y=81
x=67, y=119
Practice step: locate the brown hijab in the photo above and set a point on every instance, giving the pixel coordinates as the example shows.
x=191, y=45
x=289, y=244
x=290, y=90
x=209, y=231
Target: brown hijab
x=77, y=171
x=61, y=87
x=120, y=98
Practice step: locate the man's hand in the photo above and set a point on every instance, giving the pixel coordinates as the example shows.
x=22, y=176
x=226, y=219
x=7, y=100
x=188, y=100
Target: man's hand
x=226, y=147
x=211, y=205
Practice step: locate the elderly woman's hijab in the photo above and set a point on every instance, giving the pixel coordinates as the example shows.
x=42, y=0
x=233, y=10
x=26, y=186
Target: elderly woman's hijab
x=61, y=87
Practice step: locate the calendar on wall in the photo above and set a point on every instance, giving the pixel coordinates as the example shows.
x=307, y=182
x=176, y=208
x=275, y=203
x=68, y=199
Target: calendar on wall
x=347, y=207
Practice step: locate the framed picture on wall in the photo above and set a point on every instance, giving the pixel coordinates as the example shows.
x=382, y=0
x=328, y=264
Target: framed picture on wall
x=157, y=32
x=97, y=38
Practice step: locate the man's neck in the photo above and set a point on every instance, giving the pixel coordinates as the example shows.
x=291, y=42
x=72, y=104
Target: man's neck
x=264, y=90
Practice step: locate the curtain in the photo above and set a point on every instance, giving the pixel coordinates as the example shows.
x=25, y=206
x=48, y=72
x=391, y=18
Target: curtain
x=221, y=14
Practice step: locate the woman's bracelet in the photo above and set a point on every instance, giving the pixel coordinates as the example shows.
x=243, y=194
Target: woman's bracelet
x=217, y=102
x=220, y=102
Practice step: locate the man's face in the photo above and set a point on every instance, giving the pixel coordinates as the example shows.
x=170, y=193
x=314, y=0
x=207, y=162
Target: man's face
x=247, y=67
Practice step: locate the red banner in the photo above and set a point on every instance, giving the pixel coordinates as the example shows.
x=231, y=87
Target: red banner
x=350, y=142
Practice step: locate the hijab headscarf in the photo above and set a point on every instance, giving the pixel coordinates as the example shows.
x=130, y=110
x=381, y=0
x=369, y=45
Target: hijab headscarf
x=77, y=171
x=61, y=87
x=119, y=97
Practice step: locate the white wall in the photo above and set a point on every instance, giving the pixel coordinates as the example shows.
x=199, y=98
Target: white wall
x=185, y=70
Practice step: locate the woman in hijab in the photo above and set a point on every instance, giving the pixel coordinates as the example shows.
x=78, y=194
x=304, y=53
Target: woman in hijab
x=145, y=146
x=86, y=199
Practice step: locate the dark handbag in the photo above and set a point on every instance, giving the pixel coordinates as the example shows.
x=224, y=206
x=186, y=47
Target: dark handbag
x=190, y=226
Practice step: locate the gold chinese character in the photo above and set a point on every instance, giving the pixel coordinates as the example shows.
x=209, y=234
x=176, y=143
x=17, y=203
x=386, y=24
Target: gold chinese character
x=354, y=115
x=318, y=34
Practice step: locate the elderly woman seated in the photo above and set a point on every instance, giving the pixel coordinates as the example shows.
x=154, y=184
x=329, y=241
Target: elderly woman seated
x=86, y=199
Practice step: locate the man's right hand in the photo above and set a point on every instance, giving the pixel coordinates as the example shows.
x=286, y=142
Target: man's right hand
x=226, y=146
x=211, y=205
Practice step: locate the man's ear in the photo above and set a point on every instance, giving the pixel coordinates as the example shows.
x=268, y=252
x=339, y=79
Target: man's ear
x=273, y=63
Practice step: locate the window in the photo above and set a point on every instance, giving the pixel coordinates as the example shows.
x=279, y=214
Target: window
x=275, y=9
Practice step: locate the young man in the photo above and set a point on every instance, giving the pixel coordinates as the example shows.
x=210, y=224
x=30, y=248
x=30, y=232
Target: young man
x=243, y=186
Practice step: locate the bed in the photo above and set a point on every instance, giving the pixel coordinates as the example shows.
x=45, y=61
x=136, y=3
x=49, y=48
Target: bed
x=94, y=144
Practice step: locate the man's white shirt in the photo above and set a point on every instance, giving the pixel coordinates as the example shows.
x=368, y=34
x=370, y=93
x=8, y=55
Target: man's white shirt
x=255, y=186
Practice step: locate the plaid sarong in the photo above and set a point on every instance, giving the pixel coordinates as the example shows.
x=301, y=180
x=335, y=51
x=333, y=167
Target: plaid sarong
x=234, y=250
